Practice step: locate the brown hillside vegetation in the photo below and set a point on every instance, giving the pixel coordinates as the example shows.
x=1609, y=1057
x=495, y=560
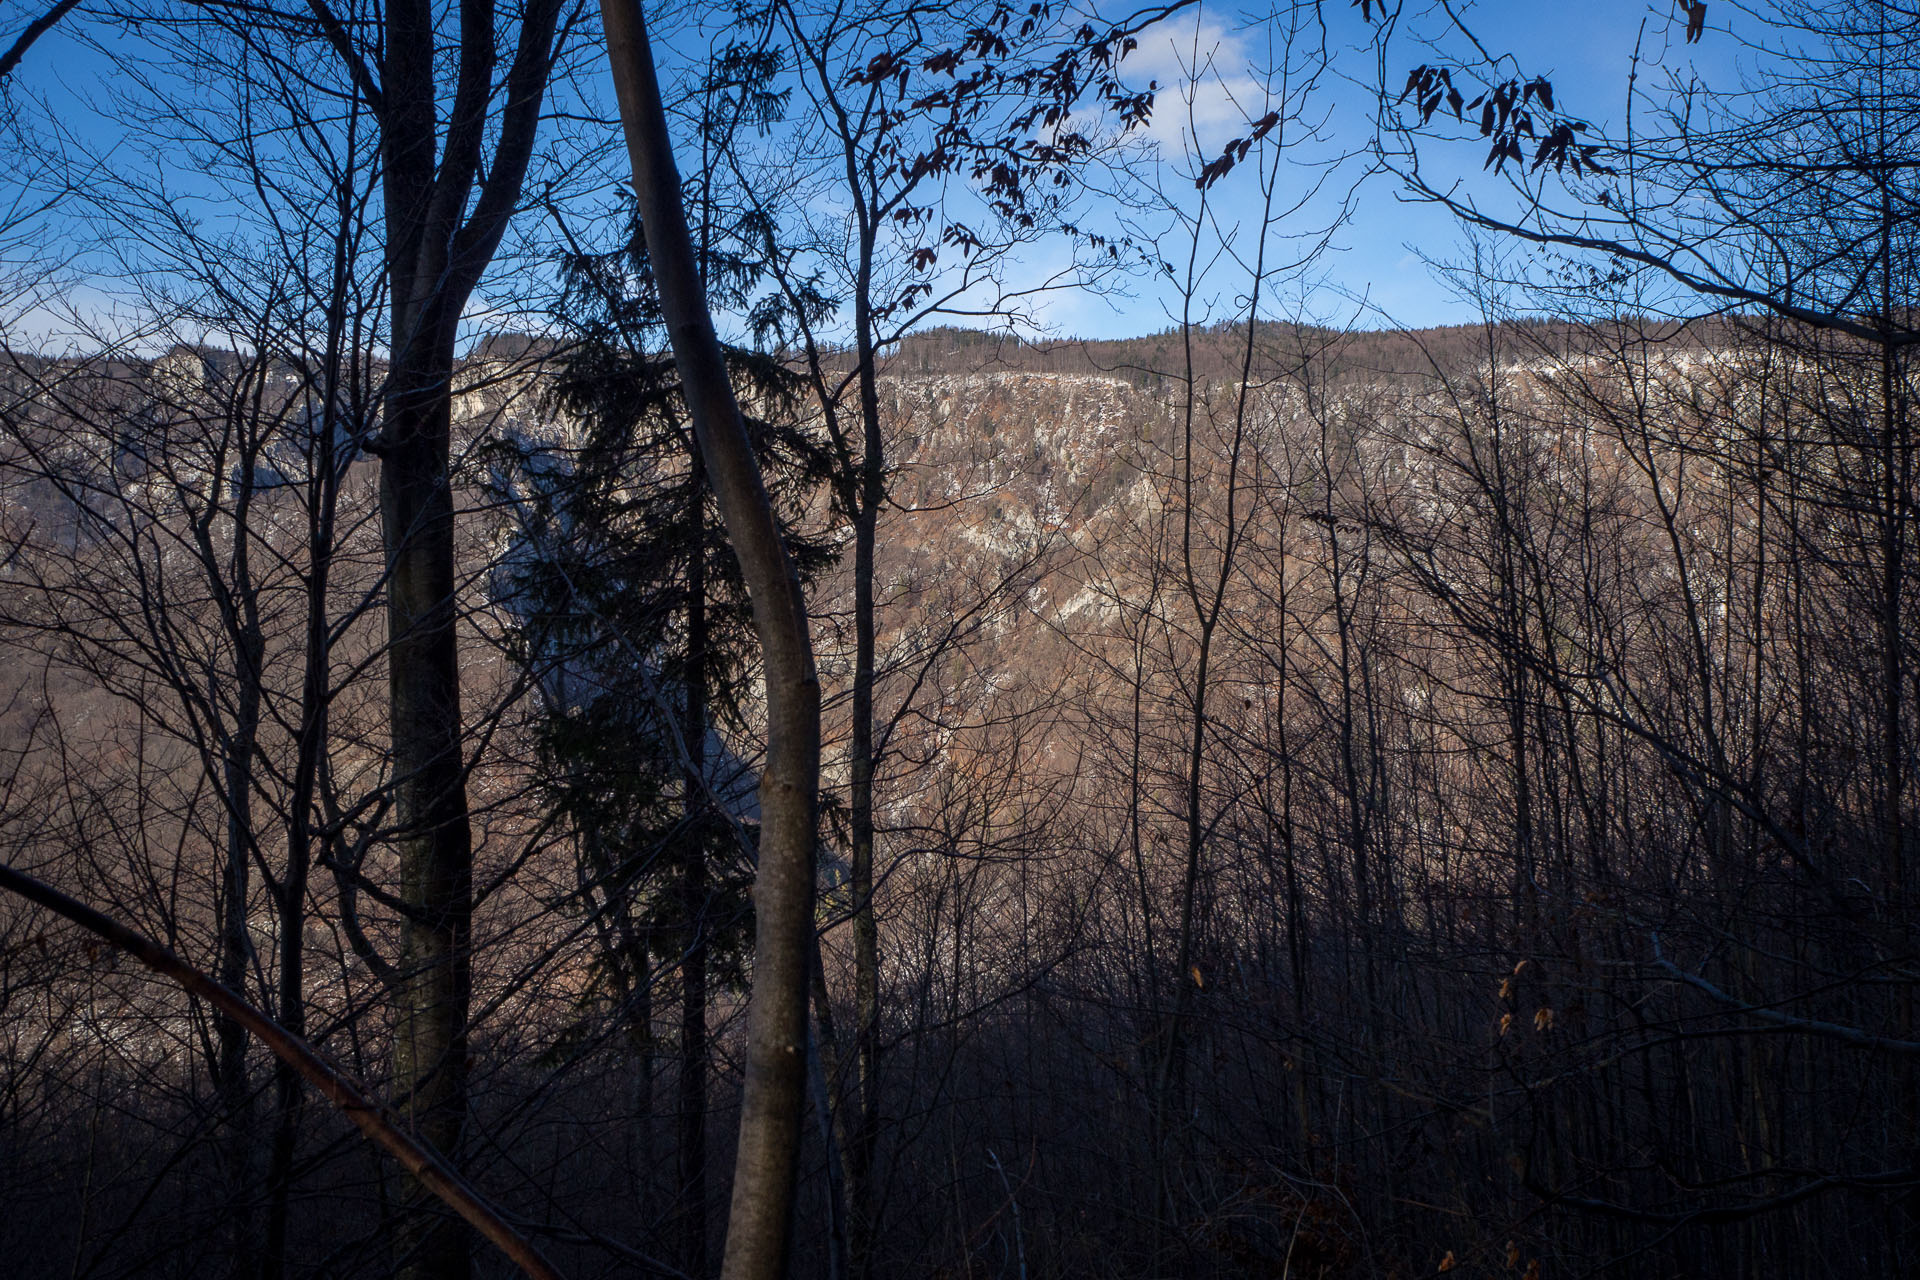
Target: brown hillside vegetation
x=1332, y=825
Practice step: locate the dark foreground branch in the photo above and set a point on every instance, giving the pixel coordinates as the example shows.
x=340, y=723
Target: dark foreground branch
x=427, y=1167
x=1809, y=1026
x=1726, y=1215
x=37, y=28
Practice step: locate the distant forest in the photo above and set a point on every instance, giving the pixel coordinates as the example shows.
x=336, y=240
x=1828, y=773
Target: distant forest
x=1218, y=351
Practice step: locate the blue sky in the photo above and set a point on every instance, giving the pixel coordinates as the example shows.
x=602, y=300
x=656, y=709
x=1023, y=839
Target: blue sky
x=1373, y=273
x=1376, y=271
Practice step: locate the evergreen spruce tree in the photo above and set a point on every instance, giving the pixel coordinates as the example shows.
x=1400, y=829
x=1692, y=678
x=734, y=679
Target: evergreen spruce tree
x=634, y=626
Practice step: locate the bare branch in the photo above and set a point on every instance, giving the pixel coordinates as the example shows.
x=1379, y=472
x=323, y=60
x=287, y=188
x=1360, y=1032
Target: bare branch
x=368, y=1116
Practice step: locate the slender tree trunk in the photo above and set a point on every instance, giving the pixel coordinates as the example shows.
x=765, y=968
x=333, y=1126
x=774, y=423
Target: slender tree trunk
x=693, y=898
x=759, y=1227
x=323, y=493
x=866, y=934
x=231, y=1069
x=831, y=1118
x=230, y=581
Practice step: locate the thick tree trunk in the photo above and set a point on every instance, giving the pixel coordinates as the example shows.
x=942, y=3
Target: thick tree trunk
x=434, y=842
x=760, y=1222
x=447, y=202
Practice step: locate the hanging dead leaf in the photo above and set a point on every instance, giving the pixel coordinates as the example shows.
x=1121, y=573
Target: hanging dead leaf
x=1696, y=18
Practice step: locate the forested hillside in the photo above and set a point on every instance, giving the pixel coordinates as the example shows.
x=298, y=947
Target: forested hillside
x=580, y=712
x=1353, y=819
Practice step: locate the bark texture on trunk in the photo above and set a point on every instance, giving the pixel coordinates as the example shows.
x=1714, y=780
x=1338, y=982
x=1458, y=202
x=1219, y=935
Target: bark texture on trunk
x=435, y=843
x=760, y=1220
x=447, y=203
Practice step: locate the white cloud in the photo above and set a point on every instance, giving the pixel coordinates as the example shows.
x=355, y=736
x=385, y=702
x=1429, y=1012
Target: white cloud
x=1208, y=89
